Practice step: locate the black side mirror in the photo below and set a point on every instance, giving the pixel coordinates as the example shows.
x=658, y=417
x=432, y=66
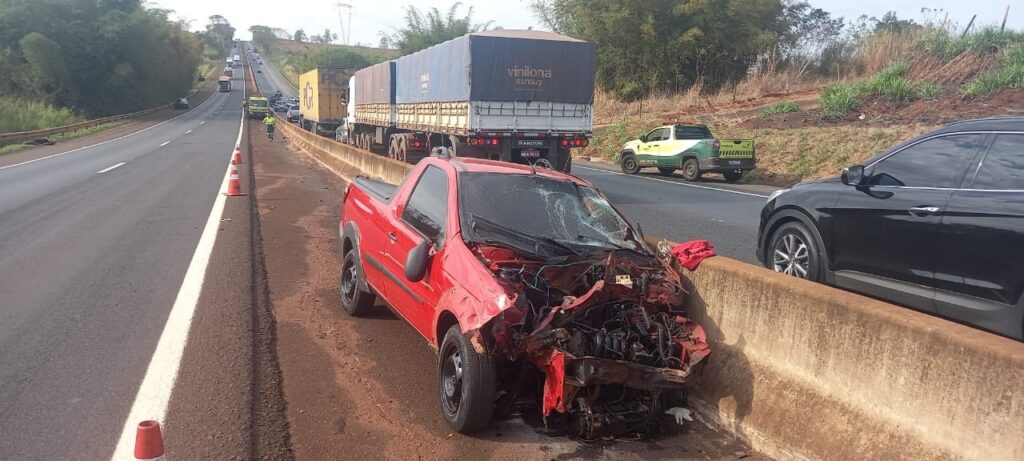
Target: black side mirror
x=642, y=138
x=853, y=175
x=416, y=261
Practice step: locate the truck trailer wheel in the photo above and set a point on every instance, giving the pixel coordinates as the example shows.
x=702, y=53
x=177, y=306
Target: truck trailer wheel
x=466, y=383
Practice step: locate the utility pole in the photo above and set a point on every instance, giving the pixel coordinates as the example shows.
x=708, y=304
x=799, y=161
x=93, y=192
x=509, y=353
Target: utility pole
x=1005, y=14
x=346, y=29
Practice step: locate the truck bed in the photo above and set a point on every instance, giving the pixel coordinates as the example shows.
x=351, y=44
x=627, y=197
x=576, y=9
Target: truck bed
x=377, y=189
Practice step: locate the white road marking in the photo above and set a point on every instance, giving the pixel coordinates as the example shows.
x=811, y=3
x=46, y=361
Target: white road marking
x=165, y=143
x=202, y=122
x=695, y=186
x=110, y=168
x=155, y=391
x=102, y=142
x=189, y=131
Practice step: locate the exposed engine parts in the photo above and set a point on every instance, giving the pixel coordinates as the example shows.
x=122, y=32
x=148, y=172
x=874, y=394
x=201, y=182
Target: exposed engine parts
x=608, y=335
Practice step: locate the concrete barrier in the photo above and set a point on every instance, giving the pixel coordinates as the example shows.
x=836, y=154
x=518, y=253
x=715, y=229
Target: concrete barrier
x=804, y=371
x=346, y=160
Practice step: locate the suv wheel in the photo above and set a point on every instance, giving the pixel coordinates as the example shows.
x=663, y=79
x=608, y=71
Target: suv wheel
x=465, y=383
x=354, y=300
x=733, y=176
x=629, y=164
x=794, y=252
x=691, y=169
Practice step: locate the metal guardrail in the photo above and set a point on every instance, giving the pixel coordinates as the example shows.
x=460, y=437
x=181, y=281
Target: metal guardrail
x=11, y=138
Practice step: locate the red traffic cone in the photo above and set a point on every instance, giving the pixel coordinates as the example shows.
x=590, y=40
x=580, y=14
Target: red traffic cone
x=234, y=184
x=149, y=444
x=236, y=158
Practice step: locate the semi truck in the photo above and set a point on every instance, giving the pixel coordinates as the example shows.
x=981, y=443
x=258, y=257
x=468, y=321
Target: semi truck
x=237, y=60
x=516, y=96
x=323, y=99
x=224, y=84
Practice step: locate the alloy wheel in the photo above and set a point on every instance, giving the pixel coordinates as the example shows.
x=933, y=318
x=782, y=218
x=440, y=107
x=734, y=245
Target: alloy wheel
x=791, y=256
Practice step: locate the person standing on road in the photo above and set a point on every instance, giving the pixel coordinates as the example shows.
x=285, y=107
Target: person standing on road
x=270, y=121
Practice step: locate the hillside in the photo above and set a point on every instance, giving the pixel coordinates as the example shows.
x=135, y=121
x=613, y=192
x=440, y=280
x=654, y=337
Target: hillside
x=808, y=128
x=293, y=57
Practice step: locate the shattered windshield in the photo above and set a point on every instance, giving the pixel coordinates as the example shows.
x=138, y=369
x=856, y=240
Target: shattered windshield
x=523, y=207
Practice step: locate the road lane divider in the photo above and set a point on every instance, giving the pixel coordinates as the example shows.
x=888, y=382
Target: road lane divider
x=110, y=168
x=189, y=131
x=192, y=112
x=164, y=143
x=154, y=393
x=695, y=186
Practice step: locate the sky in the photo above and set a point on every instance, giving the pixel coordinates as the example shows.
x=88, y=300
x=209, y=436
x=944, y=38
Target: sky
x=370, y=17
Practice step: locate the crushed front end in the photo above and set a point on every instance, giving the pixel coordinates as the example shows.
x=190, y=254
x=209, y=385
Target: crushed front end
x=605, y=330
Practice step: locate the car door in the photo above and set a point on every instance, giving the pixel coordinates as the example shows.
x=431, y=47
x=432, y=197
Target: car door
x=650, y=148
x=424, y=217
x=885, y=232
x=980, y=271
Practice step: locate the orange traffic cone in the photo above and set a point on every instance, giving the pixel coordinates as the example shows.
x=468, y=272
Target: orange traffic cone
x=149, y=444
x=236, y=158
x=234, y=184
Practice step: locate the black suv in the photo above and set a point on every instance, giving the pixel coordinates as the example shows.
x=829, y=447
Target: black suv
x=936, y=224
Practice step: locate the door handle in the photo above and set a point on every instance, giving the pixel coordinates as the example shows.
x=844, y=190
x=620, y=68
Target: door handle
x=392, y=237
x=923, y=210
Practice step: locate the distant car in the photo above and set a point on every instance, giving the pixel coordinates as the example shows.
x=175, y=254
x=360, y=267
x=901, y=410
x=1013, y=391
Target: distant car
x=691, y=148
x=935, y=224
x=259, y=71
x=201, y=78
x=293, y=100
x=293, y=113
x=181, y=104
x=281, y=108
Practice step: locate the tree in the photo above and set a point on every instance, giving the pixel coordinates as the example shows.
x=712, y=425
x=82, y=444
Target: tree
x=219, y=34
x=893, y=24
x=423, y=30
x=326, y=37
x=676, y=43
x=97, y=57
x=300, y=35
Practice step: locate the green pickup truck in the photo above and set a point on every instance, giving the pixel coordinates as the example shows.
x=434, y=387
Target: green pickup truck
x=690, y=148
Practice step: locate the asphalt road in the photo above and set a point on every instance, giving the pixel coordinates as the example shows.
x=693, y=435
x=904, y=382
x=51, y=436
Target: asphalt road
x=94, y=245
x=670, y=207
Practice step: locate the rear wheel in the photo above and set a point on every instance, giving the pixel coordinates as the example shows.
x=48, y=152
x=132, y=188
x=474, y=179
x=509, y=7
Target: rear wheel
x=465, y=383
x=629, y=164
x=666, y=171
x=354, y=300
x=733, y=176
x=794, y=251
x=691, y=169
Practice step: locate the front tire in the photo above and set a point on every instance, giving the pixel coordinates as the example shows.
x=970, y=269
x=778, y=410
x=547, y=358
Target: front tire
x=794, y=251
x=629, y=164
x=354, y=300
x=466, y=384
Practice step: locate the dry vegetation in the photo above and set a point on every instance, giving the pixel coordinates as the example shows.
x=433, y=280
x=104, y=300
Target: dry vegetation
x=894, y=87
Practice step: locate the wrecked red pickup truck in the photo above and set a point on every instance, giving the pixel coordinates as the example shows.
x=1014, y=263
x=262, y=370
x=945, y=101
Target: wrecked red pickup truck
x=532, y=288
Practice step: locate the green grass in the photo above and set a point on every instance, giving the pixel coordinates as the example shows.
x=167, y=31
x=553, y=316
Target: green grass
x=892, y=83
x=941, y=43
x=23, y=115
x=1009, y=74
x=784, y=107
x=929, y=90
x=839, y=99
